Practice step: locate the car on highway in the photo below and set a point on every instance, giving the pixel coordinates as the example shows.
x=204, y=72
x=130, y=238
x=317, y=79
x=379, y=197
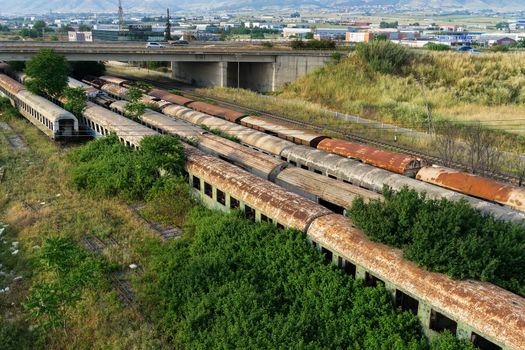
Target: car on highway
x=154, y=45
x=474, y=51
x=179, y=43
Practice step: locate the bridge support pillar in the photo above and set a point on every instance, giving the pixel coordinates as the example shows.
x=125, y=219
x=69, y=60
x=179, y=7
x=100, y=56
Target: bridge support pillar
x=205, y=74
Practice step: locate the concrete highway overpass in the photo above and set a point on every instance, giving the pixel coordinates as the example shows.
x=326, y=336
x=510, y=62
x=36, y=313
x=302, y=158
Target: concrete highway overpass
x=202, y=65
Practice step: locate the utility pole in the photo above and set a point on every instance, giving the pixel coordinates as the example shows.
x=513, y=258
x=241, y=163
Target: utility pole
x=120, y=15
x=429, y=108
x=167, y=36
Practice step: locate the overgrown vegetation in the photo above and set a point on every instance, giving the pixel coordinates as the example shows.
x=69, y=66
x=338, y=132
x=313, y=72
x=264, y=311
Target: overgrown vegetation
x=135, y=107
x=231, y=283
x=447, y=237
x=68, y=270
x=105, y=167
x=313, y=44
x=221, y=133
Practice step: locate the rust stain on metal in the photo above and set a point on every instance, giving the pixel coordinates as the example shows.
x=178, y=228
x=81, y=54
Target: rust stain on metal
x=10, y=85
x=490, y=310
x=167, y=96
x=395, y=162
x=474, y=185
x=287, y=208
x=115, y=89
x=217, y=111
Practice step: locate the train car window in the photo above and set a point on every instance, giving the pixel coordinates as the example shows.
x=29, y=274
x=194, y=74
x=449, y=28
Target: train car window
x=372, y=281
x=332, y=206
x=196, y=183
x=293, y=163
x=440, y=322
x=318, y=172
x=304, y=167
x=406, y=302
x=347, y=182
x=482, y=343
x=332, y=177
x=249, y=212
x=264, y=218
x=347, y=266
x=234, y=203
x=208, y=189
x=279, y=226
x=327, y=254
x=283, y=158
x=221, y=197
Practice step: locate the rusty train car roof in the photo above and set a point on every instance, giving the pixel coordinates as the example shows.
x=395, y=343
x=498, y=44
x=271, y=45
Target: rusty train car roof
x=260, y=140
x=10, y=85
x=299, y=136
x=217, y=111
x=328, y=189
x=490, y=310
x=474, y=185
x=373, y=178
x=391, y=161
x=113, y=80
x=170, y=97
x=115, y=89
x=285, y=207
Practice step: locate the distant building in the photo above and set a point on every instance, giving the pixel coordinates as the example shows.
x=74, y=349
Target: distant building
x=517, y=24
x=135, y=32
x=80, y=36
x=359, y=37
x=295, y=32
x=494, y=39
x=330, y=33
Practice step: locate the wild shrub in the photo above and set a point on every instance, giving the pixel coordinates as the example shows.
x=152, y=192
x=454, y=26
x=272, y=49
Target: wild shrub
x=105, y=167
x=383, y=56
x=447, y=237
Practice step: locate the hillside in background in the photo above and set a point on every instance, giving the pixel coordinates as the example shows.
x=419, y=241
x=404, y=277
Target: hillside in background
x=488, y=87
x=158, y=6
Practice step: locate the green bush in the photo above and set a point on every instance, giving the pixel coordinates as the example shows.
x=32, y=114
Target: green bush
x=447, y=237
x=499, y=48
x=105, y=167
x=383, y=56
x=313, y=44
x=437, y=47
x=231, y=283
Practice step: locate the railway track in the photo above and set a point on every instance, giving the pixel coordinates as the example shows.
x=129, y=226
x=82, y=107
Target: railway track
x=97, y=245
x=429, y=158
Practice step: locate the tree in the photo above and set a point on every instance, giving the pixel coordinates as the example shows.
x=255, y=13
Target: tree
x=447, y=142
x=40, y=26
x=135, y=108
x=309, y=35
x=502, y=26
x=75, y=100
x=48, y=73
x=167, y=35
x=483, y=154
x=84, y=28
x=384, y=24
